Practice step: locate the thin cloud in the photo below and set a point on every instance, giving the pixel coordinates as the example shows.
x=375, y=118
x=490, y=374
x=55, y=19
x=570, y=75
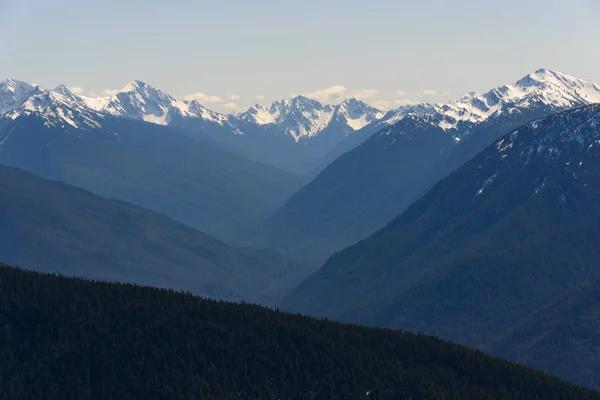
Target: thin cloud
x=259, y=97
x=429, y=92
x=400, y=92
x=365, y=94
x=110, y=92
x=202, y=98
x=330, y=93
x=78, y=90
x=234, y=96
x=230, y=106
x=391, y=104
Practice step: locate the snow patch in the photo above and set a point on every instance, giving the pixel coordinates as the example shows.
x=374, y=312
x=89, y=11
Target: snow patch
x=486, y=183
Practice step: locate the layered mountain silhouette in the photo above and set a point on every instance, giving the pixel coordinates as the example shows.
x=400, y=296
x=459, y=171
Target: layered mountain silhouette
x=501, y=237
x=193, y=180
x=369, y=185
x=49, y=226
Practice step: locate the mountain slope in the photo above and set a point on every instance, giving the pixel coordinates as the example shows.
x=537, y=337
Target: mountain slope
x=53, y=227
x=290, y=134
x=361, y=135
x=499, y=238
x=72, y=339
x=369, y=185
x=309, y=225
x=190, y=179
x=563, y=334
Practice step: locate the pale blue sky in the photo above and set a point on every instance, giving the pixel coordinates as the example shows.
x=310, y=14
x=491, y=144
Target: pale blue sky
x=276, y=48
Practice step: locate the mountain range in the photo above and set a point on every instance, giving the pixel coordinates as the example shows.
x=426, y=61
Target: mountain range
x=374, y=163
x=191, y=179
x=472, y=220
x=52, y=227
x=489, y=250
x=291, y=134
x=406, y=155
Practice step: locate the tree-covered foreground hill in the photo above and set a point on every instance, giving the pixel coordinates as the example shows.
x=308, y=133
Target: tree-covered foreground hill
x=67, y=338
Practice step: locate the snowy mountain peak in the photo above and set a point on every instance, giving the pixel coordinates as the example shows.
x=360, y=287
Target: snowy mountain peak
x=66, y=92
x=257, y=114
x=56, y=109
x=356, y=113
x=138, y=100
x=280, y=110
x=355, y=107
x=12, y=92
x=134, y=85
x=302, y=101
x=303, y=117
x=543, y=76
x=542, y=88
x=62, y=89
x=13, y=85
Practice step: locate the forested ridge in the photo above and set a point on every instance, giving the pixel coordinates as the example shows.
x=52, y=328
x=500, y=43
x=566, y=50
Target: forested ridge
x=68, y=338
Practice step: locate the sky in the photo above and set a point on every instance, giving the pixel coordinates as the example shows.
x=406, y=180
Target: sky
x=231, y=54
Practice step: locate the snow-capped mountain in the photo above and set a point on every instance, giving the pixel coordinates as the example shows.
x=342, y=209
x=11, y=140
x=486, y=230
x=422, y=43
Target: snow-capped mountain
x=416, y=147
x=95, y=103
x=304, y=118
x=12, y=92
x=66, y=92
x=270, y=134
x=56, y=135
x=57, y=108
x=355, y=114
x=299, y=117
x=544, y=87
x=138, y=100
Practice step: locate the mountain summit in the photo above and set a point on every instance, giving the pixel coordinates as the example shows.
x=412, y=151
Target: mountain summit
x=12, y=92
x=303, y=118
x=543, y=87
x=138, y=100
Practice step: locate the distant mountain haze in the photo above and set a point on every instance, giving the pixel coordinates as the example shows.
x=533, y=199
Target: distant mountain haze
x=369, y=185
x=49, y=226
x=380, y=162
x=290, y=134
x=194, y=180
